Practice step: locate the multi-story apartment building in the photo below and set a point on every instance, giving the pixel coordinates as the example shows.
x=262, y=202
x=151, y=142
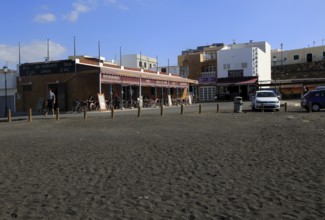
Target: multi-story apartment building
x=228, y=70
x=200, y=61
x=201, y=64
x=242, y=66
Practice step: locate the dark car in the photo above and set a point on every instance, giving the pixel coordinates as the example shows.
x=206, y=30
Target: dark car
x=315, y=99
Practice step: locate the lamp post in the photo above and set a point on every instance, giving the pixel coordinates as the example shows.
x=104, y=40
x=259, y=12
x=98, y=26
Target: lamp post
x=5, y=71
x=274, y=61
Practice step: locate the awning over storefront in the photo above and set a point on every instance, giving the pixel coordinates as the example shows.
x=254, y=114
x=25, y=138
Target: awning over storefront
x=236, y=81
x=137, y=77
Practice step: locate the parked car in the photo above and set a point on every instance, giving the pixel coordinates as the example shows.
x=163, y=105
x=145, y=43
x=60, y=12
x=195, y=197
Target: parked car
x=315, y=99
x=277, y=92
x=320, y=88
x=267, y=98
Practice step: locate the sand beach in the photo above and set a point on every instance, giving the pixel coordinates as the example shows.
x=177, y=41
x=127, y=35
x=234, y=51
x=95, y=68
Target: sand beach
x=191, y=166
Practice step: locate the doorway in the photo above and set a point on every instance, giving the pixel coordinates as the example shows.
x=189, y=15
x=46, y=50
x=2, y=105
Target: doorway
x=309, y=57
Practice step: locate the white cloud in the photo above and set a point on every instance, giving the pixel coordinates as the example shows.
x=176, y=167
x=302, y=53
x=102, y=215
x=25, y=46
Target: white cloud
x=45, y=18
x=79, y=8
x=31, y=52
x=117, y=4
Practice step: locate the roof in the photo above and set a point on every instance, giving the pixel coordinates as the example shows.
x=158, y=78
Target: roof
x=120, y=71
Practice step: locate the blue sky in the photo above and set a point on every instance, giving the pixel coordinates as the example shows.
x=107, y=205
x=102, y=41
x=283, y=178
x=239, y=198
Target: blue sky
x=160, y=28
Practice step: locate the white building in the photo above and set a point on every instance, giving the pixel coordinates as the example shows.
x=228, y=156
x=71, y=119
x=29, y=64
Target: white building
x=303, y=55
x=245, y=60
x=240, y=67
x=175, y=70
x=138, y=61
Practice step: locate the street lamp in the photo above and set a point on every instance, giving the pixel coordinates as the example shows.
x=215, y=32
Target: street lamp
x=274, y=61
x=5, y=71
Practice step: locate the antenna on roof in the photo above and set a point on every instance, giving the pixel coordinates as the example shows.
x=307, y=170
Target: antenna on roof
x=74, y=46
x=47, y=58
x=120, y=56
x=99, y=51
x=19, y=57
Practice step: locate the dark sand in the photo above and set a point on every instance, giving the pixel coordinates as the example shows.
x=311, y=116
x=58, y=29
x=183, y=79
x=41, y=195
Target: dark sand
x=208, y=166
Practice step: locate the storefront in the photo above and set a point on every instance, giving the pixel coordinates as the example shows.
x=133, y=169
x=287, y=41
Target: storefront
x=78, y=79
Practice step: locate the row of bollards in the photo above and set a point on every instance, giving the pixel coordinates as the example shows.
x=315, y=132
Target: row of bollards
x=57, y=111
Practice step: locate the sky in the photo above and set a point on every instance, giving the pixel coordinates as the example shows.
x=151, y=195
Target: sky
x=154, y=28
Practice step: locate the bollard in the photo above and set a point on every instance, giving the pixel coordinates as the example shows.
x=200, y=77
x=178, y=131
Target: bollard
x=9, y=115
x=285, y=107
x=182, y=109
x=85, y=113
x=200, y=108
x=161, y=110
x=262, y=107
x=57, y=114
x=112, y=112
x=30, y=115
x=309, y=107
x=139, y=111
x=218, y=108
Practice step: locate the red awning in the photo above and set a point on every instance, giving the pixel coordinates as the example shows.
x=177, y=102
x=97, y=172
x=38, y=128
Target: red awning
x=247, y=82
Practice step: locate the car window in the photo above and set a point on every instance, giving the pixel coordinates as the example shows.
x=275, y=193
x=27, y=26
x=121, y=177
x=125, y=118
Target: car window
x=265, y=94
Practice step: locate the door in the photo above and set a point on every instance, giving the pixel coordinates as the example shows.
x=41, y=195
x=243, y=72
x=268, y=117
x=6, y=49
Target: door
x=309, y=57
x=60, y=95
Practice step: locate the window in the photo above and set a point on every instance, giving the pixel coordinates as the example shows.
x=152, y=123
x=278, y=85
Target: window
x=207, y=93
x=140, y=63
x=243, y=65
x=226, y=66
x=145, y=65
x=296, y=57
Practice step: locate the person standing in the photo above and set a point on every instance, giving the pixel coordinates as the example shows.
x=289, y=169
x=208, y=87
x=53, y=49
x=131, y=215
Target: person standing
x=50, y=102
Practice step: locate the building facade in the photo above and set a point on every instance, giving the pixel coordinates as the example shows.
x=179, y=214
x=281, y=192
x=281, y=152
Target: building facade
x=201, y=64
x=7, y=87
x=228, y=70
x=241, y=67
x=78, y=78
x=296, y=56
x=138, y=61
